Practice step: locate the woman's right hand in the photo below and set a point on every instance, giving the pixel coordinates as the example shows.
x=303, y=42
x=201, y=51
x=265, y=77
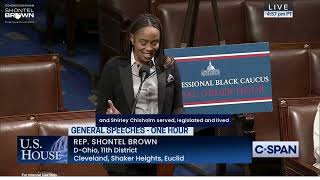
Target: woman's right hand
x=112, y=109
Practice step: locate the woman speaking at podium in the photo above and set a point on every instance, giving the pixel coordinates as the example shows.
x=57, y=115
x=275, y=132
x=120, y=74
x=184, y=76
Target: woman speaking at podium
x=144, y=63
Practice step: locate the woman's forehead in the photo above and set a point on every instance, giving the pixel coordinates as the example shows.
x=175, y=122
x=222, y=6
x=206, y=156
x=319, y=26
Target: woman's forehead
x=147, y=33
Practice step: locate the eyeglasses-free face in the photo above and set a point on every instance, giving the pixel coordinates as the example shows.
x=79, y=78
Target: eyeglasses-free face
x=145, y=44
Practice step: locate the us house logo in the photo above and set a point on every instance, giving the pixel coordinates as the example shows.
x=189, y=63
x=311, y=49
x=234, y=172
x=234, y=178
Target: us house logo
x=42, y=149
x=19, y=13
x=210, y=71
x=278, y=9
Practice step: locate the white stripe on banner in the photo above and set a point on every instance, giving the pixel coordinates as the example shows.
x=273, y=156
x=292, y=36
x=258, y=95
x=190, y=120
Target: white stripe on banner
x=226, y=103
x=219, y=55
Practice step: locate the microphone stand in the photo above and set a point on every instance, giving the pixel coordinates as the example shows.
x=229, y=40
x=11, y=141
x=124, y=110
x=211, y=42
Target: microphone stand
x=136, y=98
x=143, y=73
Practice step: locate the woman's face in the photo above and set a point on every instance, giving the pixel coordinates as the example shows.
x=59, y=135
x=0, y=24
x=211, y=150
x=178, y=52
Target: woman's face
x=145, y=43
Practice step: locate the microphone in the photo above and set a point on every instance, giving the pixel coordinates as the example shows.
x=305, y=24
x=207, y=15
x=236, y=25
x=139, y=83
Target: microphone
x=144, y=73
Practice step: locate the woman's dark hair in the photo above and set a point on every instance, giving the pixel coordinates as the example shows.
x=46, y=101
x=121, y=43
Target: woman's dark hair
x=145, y=20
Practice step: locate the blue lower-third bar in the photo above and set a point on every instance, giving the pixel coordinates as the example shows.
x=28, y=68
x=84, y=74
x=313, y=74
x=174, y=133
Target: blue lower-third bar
x=197, y=149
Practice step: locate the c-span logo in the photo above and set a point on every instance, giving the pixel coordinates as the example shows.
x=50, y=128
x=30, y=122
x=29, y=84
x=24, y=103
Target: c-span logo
x=211, y=71
x=275, y=149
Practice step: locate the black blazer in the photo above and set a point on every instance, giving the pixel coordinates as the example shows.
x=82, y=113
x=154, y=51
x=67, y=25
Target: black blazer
x=116, y=84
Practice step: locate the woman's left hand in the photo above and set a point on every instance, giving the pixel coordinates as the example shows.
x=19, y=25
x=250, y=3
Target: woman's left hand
x=112, y=109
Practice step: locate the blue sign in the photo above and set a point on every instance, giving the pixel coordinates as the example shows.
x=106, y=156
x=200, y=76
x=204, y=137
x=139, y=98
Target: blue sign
x=228, y=79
